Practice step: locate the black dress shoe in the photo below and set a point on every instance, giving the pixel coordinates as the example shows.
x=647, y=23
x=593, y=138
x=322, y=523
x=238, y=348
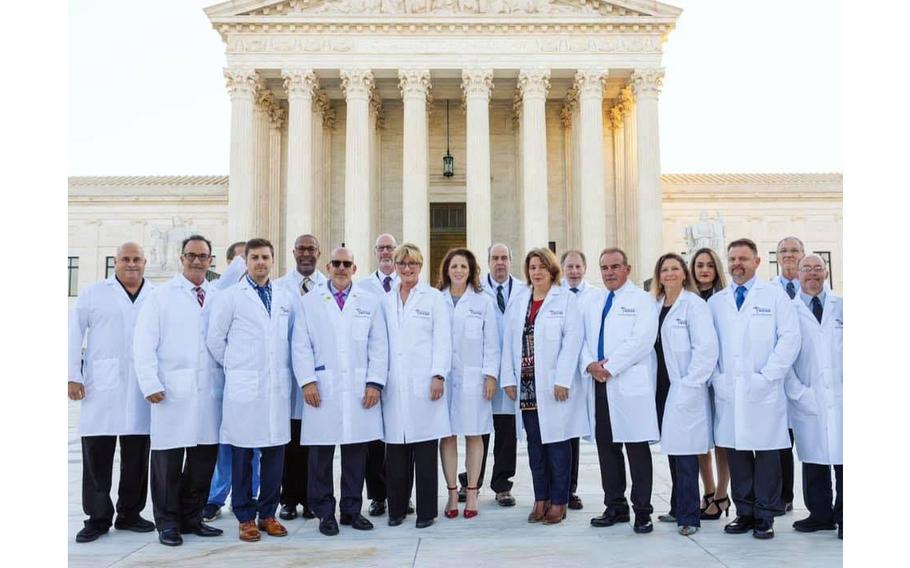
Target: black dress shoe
x=610, y=517
x=740, y=525
x=788, y=507
x=395, y=521
x=643, y=524
x=377, y=508
x=170, y=537
x=307, y=513
x=575, y=502
x=328, y=526
x=462, y=494
x=202, y=529
x=840, y=531
x=424, y=524
x=89, y=533
x=357, y=522
x=811, y=525
x=410, y=507
x=288, y=513
x=763, y=529
x=140, y=525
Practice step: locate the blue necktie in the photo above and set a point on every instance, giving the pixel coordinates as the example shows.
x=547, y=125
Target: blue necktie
x=740, y=296
x=603, y=320
x=791, y=290
x=817, y=308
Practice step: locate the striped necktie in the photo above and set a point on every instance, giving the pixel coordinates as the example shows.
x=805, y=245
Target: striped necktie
x=200, y=295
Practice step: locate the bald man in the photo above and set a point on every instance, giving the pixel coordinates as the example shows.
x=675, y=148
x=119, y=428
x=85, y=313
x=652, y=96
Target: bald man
x=103, y=380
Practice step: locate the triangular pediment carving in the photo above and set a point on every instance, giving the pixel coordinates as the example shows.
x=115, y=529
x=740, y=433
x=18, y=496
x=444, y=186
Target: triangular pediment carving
x=445, y=8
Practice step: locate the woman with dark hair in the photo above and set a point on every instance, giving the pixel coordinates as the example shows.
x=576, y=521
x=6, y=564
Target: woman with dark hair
x=475, y=366
x=685, y=354
x=541, y=346
x=708, y=274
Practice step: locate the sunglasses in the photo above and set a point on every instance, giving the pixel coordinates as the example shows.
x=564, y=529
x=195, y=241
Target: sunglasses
x=344, y=263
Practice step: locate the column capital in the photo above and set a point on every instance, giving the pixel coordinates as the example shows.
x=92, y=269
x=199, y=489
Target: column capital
x=277, y=116
x=477, y=82
x=241, y=81
x=357, y=83
x=590, y=82
x=648, y=81
x=627, y=100
x=265, y=100
x=300, y=82
x=414, y=83
x=616, y=118
x=534, y=82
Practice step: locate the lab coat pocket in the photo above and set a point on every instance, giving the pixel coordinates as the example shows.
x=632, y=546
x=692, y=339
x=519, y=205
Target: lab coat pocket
x=808, y=403
x=180, y=384
x=688, y=400
x=679, y=339
x=104, y=374
x=554, y=329
x=473, y=328
x=635, y=381
x=761, y=389
x=241, y=386
x=723, y=390
x=472, y=382
x=420, y=385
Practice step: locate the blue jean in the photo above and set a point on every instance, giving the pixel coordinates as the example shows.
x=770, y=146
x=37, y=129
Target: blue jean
x=684, y=497
x=221, y=480
x=551, y=464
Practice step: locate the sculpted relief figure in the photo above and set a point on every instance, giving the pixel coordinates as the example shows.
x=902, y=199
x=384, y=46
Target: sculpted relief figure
x=392, y=6
x=451, y=6
x=706, y=233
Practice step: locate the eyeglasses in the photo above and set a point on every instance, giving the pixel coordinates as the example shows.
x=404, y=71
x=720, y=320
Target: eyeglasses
x=307, y=250
x=411, y=264
x=813, y=269
x=193, y=257
x=385, y=248
x=344, y=263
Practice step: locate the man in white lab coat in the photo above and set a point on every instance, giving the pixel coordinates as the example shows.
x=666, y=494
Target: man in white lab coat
x=301, y=279
x=380, y=283
x=341, y=361
x=816, y=392
x=620, y=330
x=249, y=335
x=104, y=380
x=178, y=376
x=759, y=339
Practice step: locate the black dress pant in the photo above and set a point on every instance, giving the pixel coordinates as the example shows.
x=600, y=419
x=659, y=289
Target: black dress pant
x=353, y=469
x=612, y=462
x=573, y=482
x=419, y=462
x=786, y=472
x=294, y=474
x=180, y=488
x=375, y=470
x=755, y=480
x=505, y=450
x=97, y=473
x=818, y=495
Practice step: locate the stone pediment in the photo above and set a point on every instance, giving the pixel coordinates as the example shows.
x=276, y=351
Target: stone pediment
x=444, y=8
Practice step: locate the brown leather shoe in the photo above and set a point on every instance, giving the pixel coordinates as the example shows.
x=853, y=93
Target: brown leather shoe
x=538, y=512
x=272, y=527
x=249, y=532
x=555, y=515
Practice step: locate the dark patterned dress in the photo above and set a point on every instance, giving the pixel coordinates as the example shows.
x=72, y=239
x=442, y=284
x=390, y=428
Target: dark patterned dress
x=528, y=396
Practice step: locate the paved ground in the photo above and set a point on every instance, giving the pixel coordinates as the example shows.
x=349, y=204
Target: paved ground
x=497, y=537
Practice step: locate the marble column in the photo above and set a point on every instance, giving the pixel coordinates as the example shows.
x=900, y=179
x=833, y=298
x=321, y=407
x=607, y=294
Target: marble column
x=300, y=85
x=415, y=214
x=357, y=85
x=592, y=203
x=477, y=85
x=533, y=85
x=630, y=183
x=264, y=102
x=322, y=137
x=241, y=85
x=276, y=123
x=646, y=85
x=619, y=182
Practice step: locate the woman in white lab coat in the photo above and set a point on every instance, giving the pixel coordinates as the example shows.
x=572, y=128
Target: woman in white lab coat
x=685, y=354
x=475, y=366
x=414, y=410
x=541, y=345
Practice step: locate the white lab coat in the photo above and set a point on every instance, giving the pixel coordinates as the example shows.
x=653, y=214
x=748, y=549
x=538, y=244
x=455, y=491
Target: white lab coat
x=475, y=354
x=758, y=344
x=113, y=404
x=342, y=351
x=557, y=344
x=502, y=404
x=253, y=347
x=373, y=283
x=689, y=346
x=292, y=282
x=815, y=385
x=629, y=334
x=420, y=347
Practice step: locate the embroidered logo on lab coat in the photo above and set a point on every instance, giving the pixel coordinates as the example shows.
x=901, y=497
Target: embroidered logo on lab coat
x=760, y=311
x=627, y=311
x=421, y=313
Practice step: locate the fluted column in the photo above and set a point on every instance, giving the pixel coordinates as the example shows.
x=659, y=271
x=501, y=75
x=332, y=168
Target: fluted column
x=646, y=84
x=619, y=182
x=276, y=123
x=415, y=214
x=264, y=102
x=241, y=85
x=477, y=85
x=358, y=86
x=300, y=85
x=533, y=85
x=593, y=215
x=630, y=179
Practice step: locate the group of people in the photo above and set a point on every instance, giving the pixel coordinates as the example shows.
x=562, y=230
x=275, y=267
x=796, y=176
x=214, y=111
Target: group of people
x=393, y=370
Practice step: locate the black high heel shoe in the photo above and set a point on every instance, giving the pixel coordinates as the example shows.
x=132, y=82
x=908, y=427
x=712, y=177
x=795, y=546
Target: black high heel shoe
x=706, y=516
x=706, y=501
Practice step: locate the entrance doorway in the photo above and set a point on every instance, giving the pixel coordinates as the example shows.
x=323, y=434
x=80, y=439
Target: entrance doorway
x=448, y=229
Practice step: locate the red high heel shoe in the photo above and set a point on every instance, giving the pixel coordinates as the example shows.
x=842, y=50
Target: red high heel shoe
x=451, y=513
x=471, y=513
